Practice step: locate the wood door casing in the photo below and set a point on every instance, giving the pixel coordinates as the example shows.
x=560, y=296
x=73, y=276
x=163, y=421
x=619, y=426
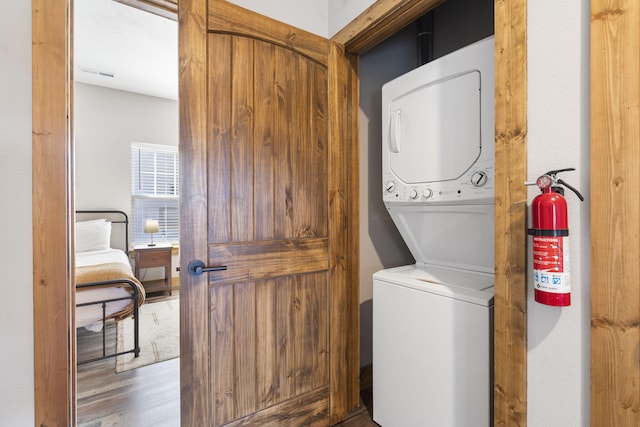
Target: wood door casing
x=615, y=213
x=268, y=223
x=511, y=129
x=53, y=216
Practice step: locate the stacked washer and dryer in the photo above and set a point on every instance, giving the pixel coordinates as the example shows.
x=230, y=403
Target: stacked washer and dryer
x=433, y=321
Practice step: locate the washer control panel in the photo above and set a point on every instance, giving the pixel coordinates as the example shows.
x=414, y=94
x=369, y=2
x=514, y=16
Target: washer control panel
x=476, y=183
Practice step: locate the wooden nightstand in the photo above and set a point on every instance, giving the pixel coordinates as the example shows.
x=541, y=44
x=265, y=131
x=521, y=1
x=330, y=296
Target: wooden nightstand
x=154, y=256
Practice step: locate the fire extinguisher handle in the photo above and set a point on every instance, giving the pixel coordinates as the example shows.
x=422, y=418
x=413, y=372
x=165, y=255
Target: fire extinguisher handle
x=577, y=193
x=557, y=171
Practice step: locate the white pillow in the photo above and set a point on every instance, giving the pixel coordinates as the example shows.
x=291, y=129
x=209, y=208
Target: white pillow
x=93, y=235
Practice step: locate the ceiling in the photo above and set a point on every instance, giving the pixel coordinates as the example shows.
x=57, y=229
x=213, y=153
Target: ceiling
x=121, y=47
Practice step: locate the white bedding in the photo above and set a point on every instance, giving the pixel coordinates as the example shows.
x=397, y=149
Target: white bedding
x=90, y=316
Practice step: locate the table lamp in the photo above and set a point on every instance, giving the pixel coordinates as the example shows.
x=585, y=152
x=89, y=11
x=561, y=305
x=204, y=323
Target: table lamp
x=151, y=226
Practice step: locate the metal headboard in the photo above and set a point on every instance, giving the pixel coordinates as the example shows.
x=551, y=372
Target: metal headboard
x=124, y=220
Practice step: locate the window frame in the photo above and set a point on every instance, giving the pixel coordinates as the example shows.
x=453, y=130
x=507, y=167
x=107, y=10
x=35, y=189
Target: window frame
x=162, y=193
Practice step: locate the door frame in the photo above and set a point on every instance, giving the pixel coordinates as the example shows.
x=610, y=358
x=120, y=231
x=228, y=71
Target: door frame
x=54, y=334
x=385, y=18
x=615, y=212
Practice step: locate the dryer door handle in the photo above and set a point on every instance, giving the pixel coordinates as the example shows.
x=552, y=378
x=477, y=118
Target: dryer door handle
x=395, y=131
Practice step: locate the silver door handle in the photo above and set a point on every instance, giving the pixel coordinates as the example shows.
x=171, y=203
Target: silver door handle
x=197, y=267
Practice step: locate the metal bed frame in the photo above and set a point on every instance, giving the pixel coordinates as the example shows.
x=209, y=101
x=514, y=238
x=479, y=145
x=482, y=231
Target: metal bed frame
x=135, y=293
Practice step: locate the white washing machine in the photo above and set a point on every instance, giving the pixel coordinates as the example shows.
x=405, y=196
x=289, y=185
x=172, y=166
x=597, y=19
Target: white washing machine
x=432, y=347
x=433, y=321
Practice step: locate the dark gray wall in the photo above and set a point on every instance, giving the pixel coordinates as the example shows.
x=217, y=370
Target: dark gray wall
x=381, y=245
x=458, y=23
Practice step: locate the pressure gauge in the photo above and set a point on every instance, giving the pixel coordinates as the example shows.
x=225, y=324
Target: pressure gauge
x=544, y=181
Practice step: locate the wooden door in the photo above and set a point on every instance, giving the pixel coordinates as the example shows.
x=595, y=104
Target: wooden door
x=255, y=170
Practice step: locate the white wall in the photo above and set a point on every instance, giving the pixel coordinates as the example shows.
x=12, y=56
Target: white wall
x=322, y=17
x=16, y=305
x=341, y=12
x=559, y=338
x=309, y=15
x=106, y=122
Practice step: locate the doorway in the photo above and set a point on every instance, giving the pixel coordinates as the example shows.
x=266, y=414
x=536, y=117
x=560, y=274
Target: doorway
x=125, y=123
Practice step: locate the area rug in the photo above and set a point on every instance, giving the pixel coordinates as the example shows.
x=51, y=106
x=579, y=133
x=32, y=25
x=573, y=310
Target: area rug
x=159, y=335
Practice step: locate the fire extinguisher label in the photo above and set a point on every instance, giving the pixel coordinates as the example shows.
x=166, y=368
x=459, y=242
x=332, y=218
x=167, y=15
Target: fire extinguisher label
x=551, y=264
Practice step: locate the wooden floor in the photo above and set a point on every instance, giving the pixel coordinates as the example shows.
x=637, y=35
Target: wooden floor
x=146, y=396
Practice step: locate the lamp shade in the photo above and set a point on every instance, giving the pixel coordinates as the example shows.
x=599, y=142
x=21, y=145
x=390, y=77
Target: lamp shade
x=151, y=226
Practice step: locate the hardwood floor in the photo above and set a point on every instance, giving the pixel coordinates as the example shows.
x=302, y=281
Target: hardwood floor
x=146, y=396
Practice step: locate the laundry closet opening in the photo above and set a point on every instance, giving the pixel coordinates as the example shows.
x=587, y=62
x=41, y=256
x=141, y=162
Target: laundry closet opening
x=440, y=130
x=450, y=26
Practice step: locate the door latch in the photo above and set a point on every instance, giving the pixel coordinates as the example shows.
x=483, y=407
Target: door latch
x=197, y=267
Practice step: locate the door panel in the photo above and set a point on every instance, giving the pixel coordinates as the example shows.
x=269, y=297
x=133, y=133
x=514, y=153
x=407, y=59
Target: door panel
x=268, y=155
x=268, y=136
x=271, y=345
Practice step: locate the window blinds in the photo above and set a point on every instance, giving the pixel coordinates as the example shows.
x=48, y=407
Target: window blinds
x=154, y=191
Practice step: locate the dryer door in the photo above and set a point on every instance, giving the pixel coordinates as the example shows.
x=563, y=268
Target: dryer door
x=434, y=130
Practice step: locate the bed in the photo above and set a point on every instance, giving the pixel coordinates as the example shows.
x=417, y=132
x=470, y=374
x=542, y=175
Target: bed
x=106, y=288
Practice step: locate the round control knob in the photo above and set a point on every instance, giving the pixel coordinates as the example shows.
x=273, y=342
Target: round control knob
x=478, y=179
x=390, y=186
x=413, y=194
x=426, y=194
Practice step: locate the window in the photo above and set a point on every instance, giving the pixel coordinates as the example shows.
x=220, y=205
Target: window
x=154, y=191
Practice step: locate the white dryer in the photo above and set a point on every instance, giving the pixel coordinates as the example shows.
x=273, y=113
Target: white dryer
x=433, y=321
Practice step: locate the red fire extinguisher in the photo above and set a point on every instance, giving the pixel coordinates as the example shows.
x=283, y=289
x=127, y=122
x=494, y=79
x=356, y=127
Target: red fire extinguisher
x=550, y=231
